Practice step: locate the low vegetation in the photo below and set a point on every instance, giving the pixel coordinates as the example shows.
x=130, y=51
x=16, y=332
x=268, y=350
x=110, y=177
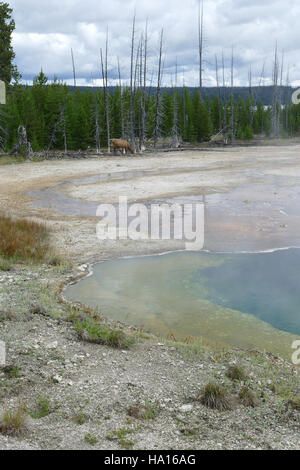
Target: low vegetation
x=93, y=331
x=215, y=396
x=23, y=240
x=236, y=373
x=13, y=421
x=92, y=440
x=144, y=411
x=247, y=397
x=43, y=408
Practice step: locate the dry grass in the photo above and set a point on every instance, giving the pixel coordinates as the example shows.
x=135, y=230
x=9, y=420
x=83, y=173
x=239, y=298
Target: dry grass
x=248, y=398
x=10, y=159
x=23, y=240
x=13, y=422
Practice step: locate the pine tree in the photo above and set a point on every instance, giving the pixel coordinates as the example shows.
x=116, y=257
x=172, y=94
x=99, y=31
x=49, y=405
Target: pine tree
x=8, y=70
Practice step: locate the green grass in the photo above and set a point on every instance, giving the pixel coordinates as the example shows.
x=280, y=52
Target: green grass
x=5, y=264
x=43, y=408
x=215, y=396
x=236, y=373
x=93, y=331
x=90, y=439
x=13, y=372
x=143, y=411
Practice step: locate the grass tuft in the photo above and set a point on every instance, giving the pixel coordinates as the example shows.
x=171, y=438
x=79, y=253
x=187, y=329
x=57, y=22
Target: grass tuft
x=12, y=422
x=94, y=332
x=23, y=240
x=43, y=408
x=215, y=396
x=236, y=373
x=143, y=411
x=247, y=398
x=5, y=264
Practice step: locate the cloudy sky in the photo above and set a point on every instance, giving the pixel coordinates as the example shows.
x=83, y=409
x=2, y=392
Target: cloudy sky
x=47, y=30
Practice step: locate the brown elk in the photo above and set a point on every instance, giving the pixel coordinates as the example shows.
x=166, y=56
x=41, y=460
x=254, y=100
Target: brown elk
x=122, y=144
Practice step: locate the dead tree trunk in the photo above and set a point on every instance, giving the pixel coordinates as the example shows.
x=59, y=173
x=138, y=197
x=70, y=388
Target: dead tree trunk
x=262, y=84
x=200, y=45
x=132, y=111
x=22, y=142
x=232, y=102
x=219, y=95
x=175, y=112
x=106, y=92
x=275, y=104
x=158, y=92
x=121, y=102
x=143, y=110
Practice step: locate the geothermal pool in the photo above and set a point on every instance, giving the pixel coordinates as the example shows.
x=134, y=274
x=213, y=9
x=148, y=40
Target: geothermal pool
x=240, y=300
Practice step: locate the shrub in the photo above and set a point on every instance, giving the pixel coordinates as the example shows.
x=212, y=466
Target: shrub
x=215, y=396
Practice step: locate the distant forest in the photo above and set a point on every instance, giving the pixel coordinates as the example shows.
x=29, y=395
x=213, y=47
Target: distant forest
x=261, y=93
x=57, y=116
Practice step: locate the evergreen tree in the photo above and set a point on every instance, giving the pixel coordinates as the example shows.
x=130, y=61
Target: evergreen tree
x=8, y=70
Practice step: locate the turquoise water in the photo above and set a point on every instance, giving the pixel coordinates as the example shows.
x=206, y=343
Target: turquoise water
x=247, y=300
x=265, y=285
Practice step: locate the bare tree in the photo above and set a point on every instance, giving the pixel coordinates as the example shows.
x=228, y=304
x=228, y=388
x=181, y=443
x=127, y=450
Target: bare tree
x=22, y=142
x=250, y=95
x=232, y=100
x=175, y=111
x=275, y=101
x=132, y=110
x=262, y=94
x=106, y=91
x=74, y=70
x=219, y=94
x=158, y=91
x=143, y=121
x=200, y=45
x=121, y=102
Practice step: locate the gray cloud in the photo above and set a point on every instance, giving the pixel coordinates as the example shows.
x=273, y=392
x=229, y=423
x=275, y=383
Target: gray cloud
x=46, y=31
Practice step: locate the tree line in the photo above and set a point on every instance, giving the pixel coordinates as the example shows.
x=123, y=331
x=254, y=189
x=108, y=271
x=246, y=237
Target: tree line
x=57, y=118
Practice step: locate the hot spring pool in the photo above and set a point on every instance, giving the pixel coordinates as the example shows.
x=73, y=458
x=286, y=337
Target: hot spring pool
x=242, y=300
